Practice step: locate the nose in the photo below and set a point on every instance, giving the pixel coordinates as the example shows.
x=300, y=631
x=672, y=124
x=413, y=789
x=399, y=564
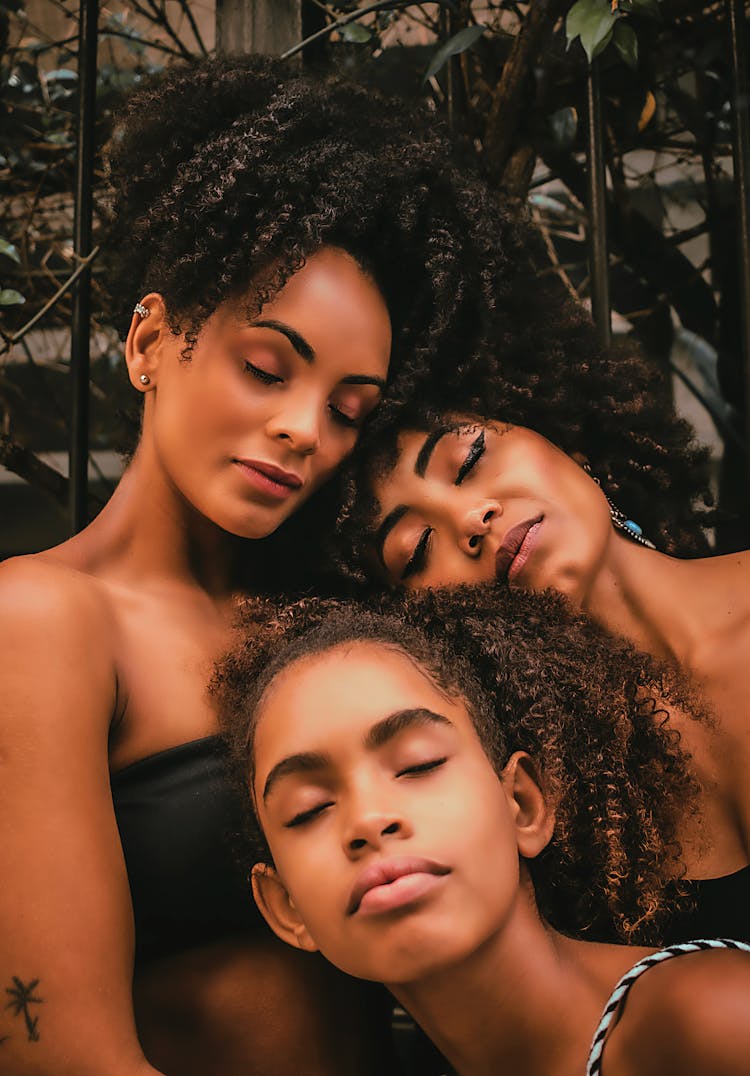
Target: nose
x=475, y=525
x=372, y=832
x=297, y=422
x=369, y=826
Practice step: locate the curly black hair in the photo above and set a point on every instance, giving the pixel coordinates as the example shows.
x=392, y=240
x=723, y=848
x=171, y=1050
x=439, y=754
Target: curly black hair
x=611, y=409
x=226, y=174
x=588, y=708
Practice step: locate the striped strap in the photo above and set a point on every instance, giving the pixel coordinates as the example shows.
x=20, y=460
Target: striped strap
x=594, y=1066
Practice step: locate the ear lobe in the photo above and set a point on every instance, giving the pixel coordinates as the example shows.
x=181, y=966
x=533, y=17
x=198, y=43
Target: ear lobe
x=534, y=817
x=278, y=909
x=142, y=344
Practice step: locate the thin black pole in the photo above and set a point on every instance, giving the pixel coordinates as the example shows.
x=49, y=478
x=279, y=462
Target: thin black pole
x=597, y=220
x=81, y=323
x=741, y=154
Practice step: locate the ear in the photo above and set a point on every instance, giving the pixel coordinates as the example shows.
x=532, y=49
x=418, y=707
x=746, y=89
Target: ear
x=142, y=344
x=534, y=818
x=278, y=909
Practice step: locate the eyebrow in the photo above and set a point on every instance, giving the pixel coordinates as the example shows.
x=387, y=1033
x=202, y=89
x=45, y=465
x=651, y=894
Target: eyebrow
x=425, y=453
x=304, y=762
x=385, y=528
x=380, y=734
x=297, y=341
x=385, y=730
x=364, y=379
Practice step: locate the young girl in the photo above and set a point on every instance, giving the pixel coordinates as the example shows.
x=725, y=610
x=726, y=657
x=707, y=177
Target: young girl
x=464, y=501
x=411, y=838
x=286, y=252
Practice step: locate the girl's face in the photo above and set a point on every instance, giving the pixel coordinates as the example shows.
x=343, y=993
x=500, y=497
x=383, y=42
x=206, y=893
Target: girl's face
x=478, y=502
x=395, y=843
x=265, y=410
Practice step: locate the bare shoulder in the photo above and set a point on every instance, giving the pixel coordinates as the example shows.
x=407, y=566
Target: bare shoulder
x=35, y=586
x=57, y=640
x=689, y=1015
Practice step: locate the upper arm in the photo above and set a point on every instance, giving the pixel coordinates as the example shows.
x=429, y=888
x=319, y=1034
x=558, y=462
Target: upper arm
x=690, y=1017
x=65, y=916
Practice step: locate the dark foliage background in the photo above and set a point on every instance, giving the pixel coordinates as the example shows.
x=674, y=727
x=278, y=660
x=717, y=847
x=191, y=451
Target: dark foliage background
x=510, y=78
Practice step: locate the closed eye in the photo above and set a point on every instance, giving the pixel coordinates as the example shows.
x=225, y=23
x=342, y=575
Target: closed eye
x=262, y=375
x=343, y=419
x=418, y=559
x=422, y=767
x=475, y=453
x=308, y=815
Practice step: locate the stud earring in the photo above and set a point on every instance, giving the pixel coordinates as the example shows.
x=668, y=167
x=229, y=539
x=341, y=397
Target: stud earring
x=619, y=520
x=144, y=379
x=142, y=310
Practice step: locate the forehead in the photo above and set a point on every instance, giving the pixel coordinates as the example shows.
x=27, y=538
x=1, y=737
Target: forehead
x=339, y=694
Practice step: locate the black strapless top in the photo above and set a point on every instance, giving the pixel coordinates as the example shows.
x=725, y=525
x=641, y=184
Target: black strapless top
x=722, y=909
x=178, y=814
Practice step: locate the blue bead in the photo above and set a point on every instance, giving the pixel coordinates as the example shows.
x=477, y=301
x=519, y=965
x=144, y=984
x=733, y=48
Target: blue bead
x=633, y=527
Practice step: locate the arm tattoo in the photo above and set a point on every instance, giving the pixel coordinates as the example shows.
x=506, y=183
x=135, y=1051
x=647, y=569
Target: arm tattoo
x=21, y=998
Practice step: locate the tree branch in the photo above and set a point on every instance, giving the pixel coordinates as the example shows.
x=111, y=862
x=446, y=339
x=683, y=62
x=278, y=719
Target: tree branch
x=507, y=99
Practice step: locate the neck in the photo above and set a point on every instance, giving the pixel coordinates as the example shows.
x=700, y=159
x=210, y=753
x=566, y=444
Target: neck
x=148, y=533
x=527, y=1002
x=661, y=604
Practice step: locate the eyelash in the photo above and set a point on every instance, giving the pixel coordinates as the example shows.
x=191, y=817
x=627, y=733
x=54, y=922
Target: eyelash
x=262, y=375
x=422, y=767
x=272, y=379
x=416, y=561
x=307, y=816
x=475, y=453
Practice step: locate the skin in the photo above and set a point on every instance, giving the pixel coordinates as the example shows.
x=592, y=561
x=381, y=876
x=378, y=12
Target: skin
x=693, y=612
x=340, y=755
x=107, y=645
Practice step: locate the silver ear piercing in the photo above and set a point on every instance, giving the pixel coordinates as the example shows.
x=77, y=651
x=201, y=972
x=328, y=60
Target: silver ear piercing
x=144, y=379
x=142, y=310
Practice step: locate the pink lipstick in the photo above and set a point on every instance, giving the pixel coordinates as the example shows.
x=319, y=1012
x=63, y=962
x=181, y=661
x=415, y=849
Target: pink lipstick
x=270, y=479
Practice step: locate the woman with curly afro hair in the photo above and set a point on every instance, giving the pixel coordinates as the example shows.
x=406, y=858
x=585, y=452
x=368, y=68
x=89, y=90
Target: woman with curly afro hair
x=463, y=807
x=287, y=254
x=451, y=499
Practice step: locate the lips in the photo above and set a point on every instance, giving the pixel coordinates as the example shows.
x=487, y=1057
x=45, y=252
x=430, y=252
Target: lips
x=387, y=871
x=511, y=546
x=270, y=479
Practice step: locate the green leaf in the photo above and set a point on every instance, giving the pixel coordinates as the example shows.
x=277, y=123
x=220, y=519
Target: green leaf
x=10, y=297
x=602, y=43
x=593, y=22
x=9, y=250
x=626, y=43
x=460, y=42
x=355, y=32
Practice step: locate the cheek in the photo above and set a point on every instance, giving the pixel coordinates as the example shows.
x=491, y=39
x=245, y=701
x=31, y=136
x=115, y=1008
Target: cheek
x=334, y=448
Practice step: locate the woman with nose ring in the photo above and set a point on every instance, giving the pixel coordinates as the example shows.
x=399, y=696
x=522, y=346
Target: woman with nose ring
x=286, y=253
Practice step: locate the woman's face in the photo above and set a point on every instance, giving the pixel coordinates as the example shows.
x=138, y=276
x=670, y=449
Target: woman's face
x=391, y=832
x=478, y=502
x=266, y=409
